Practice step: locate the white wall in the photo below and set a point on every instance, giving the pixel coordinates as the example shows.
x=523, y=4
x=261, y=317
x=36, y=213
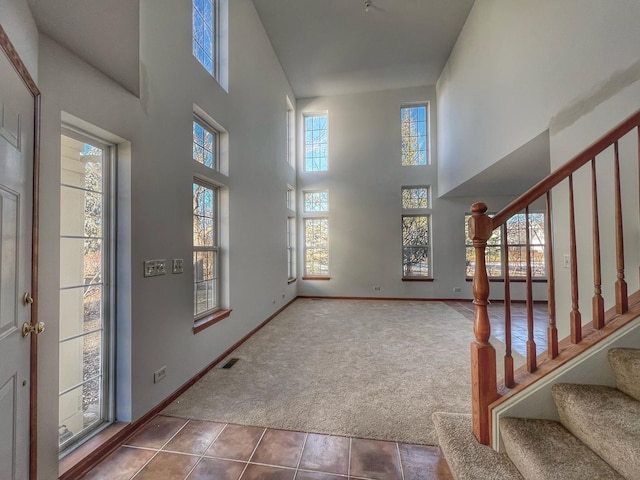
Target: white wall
x=516, y=65
x=18, y=23
x=573, y=67
x=364, y=182
x=155, y=177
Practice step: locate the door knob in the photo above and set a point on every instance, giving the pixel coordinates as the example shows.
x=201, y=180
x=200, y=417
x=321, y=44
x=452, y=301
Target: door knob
x=28, y=328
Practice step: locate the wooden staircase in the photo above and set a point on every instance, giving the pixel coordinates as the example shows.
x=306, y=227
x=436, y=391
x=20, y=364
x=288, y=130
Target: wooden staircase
x=602, y=156
x=537, y=448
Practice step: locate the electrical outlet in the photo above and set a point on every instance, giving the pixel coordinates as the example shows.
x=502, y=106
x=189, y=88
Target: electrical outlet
x=457, y=289
x=566, y=260
x=377, y=288
x=160, y=374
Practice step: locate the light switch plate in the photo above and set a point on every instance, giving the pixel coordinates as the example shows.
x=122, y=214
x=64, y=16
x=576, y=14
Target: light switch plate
x=153, y=268
x=177, y=265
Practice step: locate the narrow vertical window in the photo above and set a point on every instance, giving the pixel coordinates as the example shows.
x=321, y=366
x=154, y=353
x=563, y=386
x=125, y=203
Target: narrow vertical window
x=205, y=144
x=315, y=143
x=291, y=134
x=291, y=234
x=316, y=248
x=291, y=248
x=414, y=135
x=204, y=34
x=85, y=287
x=316, y=234
x=205, y=249
x=416, y=233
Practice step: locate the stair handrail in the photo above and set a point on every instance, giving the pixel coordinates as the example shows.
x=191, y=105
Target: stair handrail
x=481, y=227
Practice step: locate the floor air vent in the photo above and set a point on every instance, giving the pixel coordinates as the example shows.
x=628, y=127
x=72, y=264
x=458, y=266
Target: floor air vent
x=230, y=363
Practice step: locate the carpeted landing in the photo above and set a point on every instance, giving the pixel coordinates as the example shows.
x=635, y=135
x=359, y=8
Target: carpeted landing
x=361, y=368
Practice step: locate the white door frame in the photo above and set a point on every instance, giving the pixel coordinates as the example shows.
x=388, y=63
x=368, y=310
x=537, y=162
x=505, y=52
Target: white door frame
x=13, y=56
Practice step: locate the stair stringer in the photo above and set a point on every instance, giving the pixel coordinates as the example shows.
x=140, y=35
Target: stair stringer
x=591, y=367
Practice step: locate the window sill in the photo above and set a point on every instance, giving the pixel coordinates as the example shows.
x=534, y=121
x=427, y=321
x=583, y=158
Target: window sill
x=415, y=279
x=205, y=322
x=514, y=280
x=316, y=278
x=102, y=441
x=291, y=280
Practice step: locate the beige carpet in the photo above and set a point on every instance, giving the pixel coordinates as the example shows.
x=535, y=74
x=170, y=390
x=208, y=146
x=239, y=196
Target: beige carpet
x=362, y=368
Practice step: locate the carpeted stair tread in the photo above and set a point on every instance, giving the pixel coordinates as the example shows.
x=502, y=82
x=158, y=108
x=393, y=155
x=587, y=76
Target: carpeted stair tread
x=625, y=363
x=468, y=459
x=544, y=449
x=606, y=420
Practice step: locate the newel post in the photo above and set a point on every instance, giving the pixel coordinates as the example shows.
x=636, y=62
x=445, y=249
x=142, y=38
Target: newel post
x=484, y=389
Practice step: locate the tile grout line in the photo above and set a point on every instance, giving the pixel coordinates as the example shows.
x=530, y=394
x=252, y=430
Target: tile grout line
x=400, y=460
x=201, y=456
x=349, y=459
x=252, y=454
x=159, y=449
x=304, y=444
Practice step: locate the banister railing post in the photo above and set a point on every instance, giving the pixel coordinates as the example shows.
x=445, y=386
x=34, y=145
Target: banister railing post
x=484, y=389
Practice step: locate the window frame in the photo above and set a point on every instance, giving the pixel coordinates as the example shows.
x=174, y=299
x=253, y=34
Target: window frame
x=324, y=205
x=497, y=242
x=320, y=275
x=306, y=159
x=290, y=126
x=429, y=275
x=427, y=149
x=215, y=38
x=215, y=248
x=108, y=293
x=217, y=136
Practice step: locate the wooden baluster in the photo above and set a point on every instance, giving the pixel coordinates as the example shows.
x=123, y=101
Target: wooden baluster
x=552, y=331
x=575, y=316
x=622, y=300
x=483, y=356
x=597, y=300
x=509, y=379
x=531, y=344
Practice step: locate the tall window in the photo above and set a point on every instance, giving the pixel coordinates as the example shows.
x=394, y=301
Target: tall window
x=204, y=34
x=516, y=246
x=316, y=247
x=416, y=232
x=291, y=134
x=85, y=287
x=291, y=248
x=316, y=234
x=414, y=135
x=205, y=144
x=315, y=143
x=205, y=249
x=291, y=233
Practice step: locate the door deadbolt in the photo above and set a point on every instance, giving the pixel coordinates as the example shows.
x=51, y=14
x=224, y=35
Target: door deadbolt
x=27, y=298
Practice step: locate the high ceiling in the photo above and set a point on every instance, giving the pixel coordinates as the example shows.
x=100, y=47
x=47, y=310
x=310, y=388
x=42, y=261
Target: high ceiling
x=331, y=47
x=326, y=47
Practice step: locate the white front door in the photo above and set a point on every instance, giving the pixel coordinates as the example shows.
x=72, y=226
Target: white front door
x=16, y=170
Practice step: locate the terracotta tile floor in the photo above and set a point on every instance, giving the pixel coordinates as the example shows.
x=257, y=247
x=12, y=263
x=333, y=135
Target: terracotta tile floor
x=518, y=323
x=175, y=448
